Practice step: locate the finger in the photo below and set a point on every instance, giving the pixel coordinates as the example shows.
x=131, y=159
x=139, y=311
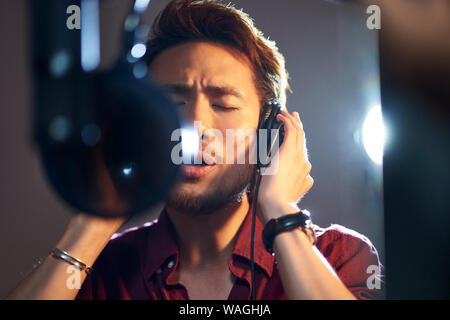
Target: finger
x=299, y=125
x=301, y=140
x=290, y=131
x=290, y=117
x=302, y=137
x=297, y=118
x=305, y=151
x=307, y=185
x=293, y=131
x=307, y=167
x=289, y=126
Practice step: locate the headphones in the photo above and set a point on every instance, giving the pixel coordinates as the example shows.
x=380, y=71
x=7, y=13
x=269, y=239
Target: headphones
x=270, y=125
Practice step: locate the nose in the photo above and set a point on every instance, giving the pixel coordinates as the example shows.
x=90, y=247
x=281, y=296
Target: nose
x=199, y=114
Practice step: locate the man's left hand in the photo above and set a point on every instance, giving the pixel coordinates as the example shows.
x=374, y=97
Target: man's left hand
x=280, y=191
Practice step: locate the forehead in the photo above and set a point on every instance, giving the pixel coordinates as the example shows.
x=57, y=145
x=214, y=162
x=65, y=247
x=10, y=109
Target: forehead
x=203, y=62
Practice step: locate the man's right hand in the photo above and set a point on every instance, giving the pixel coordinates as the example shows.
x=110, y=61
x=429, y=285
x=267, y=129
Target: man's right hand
x=84, y=238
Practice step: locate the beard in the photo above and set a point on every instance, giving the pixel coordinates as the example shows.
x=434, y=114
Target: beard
x=227, y=188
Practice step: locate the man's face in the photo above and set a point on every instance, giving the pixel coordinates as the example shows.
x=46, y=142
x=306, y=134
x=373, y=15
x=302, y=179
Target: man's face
x=215, y=85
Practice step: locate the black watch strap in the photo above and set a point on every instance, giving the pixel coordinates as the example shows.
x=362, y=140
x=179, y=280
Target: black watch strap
x=288, y=222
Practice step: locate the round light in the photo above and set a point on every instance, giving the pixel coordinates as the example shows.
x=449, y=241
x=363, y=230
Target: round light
x=91, y=134
x=140, y=70
x=131, y=22
x=128, y=170
x=60, y=63
x=138, y=50
x=373, y=134
x=141, y=5
x=59, y=128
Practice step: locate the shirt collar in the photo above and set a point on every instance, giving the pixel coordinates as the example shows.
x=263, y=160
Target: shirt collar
x=161, y=245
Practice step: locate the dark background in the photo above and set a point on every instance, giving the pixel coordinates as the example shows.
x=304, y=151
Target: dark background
x=415, y=90
x=332, y=59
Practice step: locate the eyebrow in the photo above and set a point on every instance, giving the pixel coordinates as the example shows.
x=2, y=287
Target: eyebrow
x=216, y=91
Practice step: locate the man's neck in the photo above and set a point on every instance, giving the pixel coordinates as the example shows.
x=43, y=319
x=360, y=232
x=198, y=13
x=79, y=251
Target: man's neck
x=208, y=239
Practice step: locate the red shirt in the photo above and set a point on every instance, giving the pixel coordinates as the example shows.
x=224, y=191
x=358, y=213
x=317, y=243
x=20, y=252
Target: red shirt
x=136, y=264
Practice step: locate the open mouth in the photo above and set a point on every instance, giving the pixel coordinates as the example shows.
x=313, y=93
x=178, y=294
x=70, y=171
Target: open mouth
x=197, y=170
x=203, y=163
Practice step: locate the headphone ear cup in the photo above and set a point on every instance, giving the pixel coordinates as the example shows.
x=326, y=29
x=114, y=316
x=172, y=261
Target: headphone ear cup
x=276, y=125
x=272, y=123
x=269, y=122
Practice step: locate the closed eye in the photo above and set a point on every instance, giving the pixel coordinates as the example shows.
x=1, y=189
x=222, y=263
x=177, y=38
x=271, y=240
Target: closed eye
x=223, y=108
x=215, y=106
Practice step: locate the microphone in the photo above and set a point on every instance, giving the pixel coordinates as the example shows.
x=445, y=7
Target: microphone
x=104, y=136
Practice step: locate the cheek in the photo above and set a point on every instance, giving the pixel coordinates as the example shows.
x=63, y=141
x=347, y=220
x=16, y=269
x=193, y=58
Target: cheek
x=232, y=145
x=246, y=118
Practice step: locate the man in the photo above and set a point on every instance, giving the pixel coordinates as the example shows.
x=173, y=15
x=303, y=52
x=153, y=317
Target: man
x=221, y=71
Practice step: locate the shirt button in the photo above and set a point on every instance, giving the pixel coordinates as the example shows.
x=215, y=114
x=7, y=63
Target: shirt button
x=170, y=264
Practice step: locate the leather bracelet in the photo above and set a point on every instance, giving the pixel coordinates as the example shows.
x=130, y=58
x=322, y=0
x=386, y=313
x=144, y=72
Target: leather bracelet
x=285, y=223
x=62, y=255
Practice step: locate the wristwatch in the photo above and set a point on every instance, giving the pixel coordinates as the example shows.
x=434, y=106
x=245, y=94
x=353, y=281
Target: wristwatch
x=288, y=222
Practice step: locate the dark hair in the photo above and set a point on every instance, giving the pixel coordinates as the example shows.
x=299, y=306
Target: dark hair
x=211, y=21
